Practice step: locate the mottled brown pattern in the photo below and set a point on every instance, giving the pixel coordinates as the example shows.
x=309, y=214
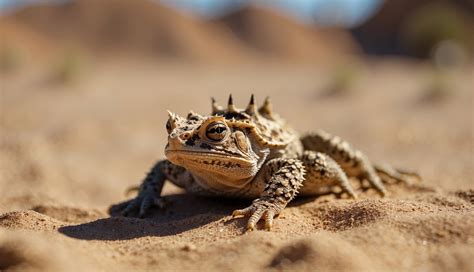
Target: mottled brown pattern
x=253, y=153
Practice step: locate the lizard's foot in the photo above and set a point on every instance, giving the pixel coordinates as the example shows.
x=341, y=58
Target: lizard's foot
x=142, y=203
x=261, y=208
x=389, y=174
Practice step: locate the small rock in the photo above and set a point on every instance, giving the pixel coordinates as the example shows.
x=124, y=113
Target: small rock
x=189, y=247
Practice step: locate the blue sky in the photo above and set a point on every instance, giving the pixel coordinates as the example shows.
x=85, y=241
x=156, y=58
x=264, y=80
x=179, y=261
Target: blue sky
x=343, y=12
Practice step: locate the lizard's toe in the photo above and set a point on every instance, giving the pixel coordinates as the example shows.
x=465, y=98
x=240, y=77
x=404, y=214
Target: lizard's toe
x=260, y=209
x=142, y=204
x=145, y=205
x=132, y=205
x=268, y=218
x=255, y=217
x=389, y=174
x=150, y=201
x=242, y=212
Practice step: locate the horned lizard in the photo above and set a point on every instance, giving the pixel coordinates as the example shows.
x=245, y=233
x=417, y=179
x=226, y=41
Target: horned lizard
x=253, y=153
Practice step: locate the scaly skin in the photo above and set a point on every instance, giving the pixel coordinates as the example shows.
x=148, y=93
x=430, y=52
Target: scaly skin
x=254, y=154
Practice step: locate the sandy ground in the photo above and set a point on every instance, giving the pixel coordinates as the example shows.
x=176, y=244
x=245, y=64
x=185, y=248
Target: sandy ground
x=69, y=151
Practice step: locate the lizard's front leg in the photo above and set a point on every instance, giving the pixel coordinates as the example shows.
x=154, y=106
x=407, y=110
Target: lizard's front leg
x=283, y=179
x=150, y=190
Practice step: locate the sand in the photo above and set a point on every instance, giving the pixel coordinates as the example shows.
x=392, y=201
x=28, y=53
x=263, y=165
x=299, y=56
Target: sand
x=69, y=151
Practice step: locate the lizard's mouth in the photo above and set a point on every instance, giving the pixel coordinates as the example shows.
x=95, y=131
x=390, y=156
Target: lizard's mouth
x=207, y=160
x=213, y=169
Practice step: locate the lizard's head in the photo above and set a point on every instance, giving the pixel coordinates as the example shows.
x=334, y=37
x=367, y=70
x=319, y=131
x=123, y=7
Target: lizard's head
x=230, y=145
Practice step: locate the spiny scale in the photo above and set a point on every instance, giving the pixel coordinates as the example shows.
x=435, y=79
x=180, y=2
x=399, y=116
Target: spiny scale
x=230, y=105
x=215, y=108
x=251, y=108
x=265, y=109
x=250, y=119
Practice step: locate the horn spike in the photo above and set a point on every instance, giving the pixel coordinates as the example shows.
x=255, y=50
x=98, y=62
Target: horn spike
x=266, y=108
x=215, y=108
x=251, y=108
x=230, y=105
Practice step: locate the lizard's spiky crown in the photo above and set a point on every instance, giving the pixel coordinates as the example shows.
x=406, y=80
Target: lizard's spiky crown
x=261, y=122
x=265, y=127
x=251, y=111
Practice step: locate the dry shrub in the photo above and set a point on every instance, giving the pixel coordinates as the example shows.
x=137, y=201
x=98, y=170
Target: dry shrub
x=11, y=58
x=432, y=24
x=70, y=67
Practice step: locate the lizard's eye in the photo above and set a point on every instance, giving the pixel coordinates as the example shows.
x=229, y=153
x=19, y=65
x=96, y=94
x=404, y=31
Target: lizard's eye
x=216, y=131
x=168, y=126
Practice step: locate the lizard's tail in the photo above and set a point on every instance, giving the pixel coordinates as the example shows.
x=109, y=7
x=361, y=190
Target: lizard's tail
x=388, y=174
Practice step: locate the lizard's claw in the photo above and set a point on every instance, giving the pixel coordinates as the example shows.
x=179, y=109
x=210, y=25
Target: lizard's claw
x=388, y=174
x=142, y=203
x=260, y=209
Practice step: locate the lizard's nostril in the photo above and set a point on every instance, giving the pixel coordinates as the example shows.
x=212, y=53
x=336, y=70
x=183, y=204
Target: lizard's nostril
x=185, y=135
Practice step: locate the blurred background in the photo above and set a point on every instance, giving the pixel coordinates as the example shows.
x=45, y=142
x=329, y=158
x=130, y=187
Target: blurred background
x=85, y=84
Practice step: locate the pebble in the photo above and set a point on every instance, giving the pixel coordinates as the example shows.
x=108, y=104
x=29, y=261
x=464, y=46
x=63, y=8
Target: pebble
x=189, y=247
